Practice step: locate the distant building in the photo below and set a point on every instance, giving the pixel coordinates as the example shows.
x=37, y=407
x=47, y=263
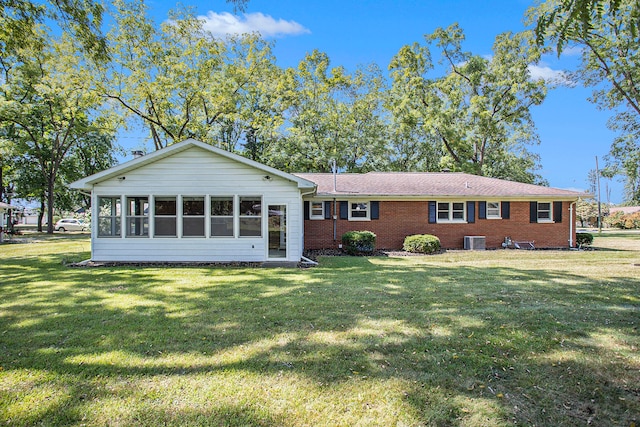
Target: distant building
x=626, y=210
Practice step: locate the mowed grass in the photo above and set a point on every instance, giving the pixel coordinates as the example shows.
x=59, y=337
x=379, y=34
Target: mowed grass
x=495, y=338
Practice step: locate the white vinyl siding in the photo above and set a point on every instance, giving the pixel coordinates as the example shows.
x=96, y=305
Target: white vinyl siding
x=195, y=172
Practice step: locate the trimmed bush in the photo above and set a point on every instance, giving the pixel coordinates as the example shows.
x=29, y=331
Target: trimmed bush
x=584, y=239
x=421, y=243
x=355, y=242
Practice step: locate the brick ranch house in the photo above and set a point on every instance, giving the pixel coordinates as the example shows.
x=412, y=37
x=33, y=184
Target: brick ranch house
x=193, y=202
x=451, y=206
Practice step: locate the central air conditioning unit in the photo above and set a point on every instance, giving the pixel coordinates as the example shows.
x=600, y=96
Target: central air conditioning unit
x=475, y=243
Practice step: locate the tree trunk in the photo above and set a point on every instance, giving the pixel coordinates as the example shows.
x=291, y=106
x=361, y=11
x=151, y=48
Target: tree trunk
x=50, y=197
x=41, y=214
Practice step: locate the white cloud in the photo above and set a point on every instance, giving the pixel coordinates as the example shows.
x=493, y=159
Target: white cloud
x=551, y=76
x=572, y=50
x=222, y=24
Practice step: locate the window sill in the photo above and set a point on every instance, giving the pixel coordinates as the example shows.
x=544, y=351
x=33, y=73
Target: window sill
x=359, y=219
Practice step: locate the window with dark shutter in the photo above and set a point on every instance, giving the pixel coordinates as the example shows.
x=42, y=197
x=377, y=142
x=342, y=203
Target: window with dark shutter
x=327, y=210
x=482, y=210
x=306, y=209
x=533, y=212
x=344, y=210
x=375, y=210
x=471, y=212
x=505, y=207
x=432, y=212
x=557, y=211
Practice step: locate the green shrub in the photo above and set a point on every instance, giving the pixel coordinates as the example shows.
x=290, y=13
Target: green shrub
x=355, y=242
x=421, y=243
x=584, y=239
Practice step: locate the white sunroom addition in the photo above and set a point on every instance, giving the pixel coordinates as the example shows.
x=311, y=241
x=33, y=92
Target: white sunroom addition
x=192, y=202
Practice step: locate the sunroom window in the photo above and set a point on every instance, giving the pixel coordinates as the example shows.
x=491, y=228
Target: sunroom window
x=137, y=222
x=165, y=217
x=222, y=216
x=250, y=216
x=109, y=211
x=193, y=216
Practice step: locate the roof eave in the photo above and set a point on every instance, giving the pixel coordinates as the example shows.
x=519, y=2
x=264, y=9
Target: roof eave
x=87, y=183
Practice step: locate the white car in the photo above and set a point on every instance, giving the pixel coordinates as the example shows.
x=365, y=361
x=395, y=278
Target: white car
x=70, y=224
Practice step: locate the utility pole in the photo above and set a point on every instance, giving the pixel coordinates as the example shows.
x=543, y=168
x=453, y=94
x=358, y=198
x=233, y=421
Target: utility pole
x=599, y=206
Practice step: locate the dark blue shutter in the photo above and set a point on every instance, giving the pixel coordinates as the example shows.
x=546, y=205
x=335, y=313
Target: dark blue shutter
x=557, y=211
x=327, y=210
x=306, y=210
x=482, y=210
x=506, y=210
x=375, y=210
x=471, y=212
x=344, y=210
x=432, y=212
x=533, y=211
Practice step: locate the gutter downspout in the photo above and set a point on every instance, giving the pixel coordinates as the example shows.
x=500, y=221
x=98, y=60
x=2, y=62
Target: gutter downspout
x=335, y=219
x=571, y=223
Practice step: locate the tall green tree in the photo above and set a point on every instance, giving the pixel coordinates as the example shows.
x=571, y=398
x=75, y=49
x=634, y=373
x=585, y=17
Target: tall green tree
x=180, y=81
x=80, y=18
x=608, y=34
x=480, y=110
x=563, y=19
x=332, y=116
x=47, y=108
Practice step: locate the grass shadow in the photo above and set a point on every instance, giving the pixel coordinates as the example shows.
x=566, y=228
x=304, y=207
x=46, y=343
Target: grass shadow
x=468, y=343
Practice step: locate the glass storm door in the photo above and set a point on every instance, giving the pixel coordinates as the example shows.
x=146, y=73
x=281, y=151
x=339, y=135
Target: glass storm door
x=277, y=231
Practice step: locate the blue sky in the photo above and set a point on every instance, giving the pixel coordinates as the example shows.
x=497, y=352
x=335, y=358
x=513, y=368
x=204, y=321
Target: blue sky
x=572, y=130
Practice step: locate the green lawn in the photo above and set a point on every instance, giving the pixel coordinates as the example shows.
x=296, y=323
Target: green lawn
x=495, y=338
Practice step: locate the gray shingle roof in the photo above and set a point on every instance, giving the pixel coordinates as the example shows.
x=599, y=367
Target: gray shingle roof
x=425, y=184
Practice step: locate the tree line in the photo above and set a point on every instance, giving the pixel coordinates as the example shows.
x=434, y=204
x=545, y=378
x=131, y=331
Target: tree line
x=67, y=88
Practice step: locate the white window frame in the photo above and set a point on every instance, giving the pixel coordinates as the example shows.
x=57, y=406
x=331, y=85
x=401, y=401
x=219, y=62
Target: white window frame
x=367, y=210
x=450, y=212
x=144, y=218
x=115, y=217
x=550, y=210
x=202, y=217
x=176, y=217
x=233, y=216
x=316, y=216
x=260, y=217
x=498, y=208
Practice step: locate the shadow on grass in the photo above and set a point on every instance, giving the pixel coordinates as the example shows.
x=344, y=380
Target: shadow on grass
x=542, y=347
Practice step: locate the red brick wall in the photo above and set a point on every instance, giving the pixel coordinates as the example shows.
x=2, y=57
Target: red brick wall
x=399, y=219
